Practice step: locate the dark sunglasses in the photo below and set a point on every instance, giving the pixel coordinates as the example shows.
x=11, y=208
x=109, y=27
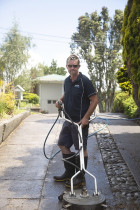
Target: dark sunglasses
x=74, y=66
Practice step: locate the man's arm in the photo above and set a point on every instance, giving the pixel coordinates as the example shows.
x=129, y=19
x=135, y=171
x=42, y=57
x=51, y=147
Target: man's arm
x=93, y=103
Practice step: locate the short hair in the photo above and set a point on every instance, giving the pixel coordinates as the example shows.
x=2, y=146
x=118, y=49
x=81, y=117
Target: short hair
x=73, y=57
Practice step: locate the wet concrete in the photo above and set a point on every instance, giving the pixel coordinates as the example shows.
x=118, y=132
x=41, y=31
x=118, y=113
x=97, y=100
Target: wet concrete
x=52, y=190
x=26, y=176
x=23, y=165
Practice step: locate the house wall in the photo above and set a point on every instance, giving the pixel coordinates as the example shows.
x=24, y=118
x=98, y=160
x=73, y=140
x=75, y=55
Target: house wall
x=49, y=93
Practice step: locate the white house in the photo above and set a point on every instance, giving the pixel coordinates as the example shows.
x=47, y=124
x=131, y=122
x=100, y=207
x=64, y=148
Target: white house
x=49, y=88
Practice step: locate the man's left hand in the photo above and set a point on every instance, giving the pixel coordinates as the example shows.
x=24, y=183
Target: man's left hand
x=84, y=122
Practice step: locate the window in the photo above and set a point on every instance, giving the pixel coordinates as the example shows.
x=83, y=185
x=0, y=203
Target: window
x=54, y=101
x=49, y=101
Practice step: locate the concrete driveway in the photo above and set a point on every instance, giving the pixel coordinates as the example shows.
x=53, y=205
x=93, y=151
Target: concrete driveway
x=23, y=165
x=26, y=176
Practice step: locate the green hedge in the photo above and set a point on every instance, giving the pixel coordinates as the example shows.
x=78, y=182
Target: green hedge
x=130, y=107
x=118, y=102
x=124, y=103
x=31, y=97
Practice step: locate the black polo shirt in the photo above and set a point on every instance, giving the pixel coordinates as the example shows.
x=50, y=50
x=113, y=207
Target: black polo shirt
x=76, y=96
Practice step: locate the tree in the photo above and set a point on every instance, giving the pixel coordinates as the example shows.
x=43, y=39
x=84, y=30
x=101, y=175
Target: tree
x=131, y=45
x=27, y=78
x=24, y=80
x=124, y=80
x=1, y=73
x=53, y=69
x=14, y=54
x=98, y=43
x=36, y=72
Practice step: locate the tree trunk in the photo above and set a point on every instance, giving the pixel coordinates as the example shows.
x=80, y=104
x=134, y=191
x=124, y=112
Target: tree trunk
x=135, y=96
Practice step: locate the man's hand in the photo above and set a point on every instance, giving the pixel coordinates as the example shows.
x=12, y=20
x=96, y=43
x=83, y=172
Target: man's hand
x=84, y=121
x=93, y=103
x=58, y=104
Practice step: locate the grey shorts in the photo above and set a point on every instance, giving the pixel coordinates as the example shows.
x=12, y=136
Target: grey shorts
x=69, y=136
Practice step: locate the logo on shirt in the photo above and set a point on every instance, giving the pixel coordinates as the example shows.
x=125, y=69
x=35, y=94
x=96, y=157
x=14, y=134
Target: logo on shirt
x=77, y=86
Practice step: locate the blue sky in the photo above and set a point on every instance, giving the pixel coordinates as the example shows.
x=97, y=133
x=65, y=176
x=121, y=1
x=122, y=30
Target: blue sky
x=51, y=23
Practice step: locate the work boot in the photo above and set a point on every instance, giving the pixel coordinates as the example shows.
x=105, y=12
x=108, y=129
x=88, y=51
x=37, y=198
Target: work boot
x=79, y=180
x=69, y=169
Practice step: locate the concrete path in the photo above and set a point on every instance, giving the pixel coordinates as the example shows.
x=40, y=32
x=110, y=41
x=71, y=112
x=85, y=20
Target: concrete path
x=26, y=176
x=23, y=166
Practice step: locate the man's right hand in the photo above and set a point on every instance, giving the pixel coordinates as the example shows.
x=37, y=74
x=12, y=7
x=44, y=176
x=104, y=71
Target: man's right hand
x=58, y=104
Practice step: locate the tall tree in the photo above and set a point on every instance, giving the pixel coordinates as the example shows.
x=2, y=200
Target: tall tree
x=131, y=45
x=14, y=53
x=98, y=42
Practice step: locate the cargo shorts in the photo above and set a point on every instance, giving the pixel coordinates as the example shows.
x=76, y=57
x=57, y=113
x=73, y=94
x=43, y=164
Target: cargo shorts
x=69, y=136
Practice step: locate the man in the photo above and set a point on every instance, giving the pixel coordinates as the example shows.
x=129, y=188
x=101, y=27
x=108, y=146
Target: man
x=80, y=101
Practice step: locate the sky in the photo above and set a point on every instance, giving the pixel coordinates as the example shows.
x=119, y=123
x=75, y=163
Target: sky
x=50, y=23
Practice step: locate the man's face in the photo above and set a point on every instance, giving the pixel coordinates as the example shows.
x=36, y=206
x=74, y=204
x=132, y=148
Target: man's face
x=73, y=67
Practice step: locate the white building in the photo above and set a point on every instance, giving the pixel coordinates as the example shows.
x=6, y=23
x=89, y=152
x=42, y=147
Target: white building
x=49, y=88
x=19, y=92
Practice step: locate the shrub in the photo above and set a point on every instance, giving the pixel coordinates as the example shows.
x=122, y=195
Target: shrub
x=130, y=107
x=118, y=102
x=31, y=97
x=7, y=103
x=2, y=105
x=124, y=103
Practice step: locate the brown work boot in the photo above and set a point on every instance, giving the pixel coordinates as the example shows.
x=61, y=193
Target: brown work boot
x=79, y=180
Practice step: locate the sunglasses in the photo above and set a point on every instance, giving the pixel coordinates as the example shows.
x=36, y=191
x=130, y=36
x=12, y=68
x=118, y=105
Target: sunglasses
x=74, y=66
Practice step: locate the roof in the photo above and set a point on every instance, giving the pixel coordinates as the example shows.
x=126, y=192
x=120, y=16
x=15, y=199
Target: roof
x=19, y=88
x=52, y=78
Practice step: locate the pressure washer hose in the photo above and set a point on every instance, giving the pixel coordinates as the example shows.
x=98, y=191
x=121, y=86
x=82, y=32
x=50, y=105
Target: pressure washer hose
x=47, y=138
x=96, y=117
x=59, y=114
x=59, y=111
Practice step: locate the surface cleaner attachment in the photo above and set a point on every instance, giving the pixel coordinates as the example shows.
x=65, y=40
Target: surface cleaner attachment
x=81, y=199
